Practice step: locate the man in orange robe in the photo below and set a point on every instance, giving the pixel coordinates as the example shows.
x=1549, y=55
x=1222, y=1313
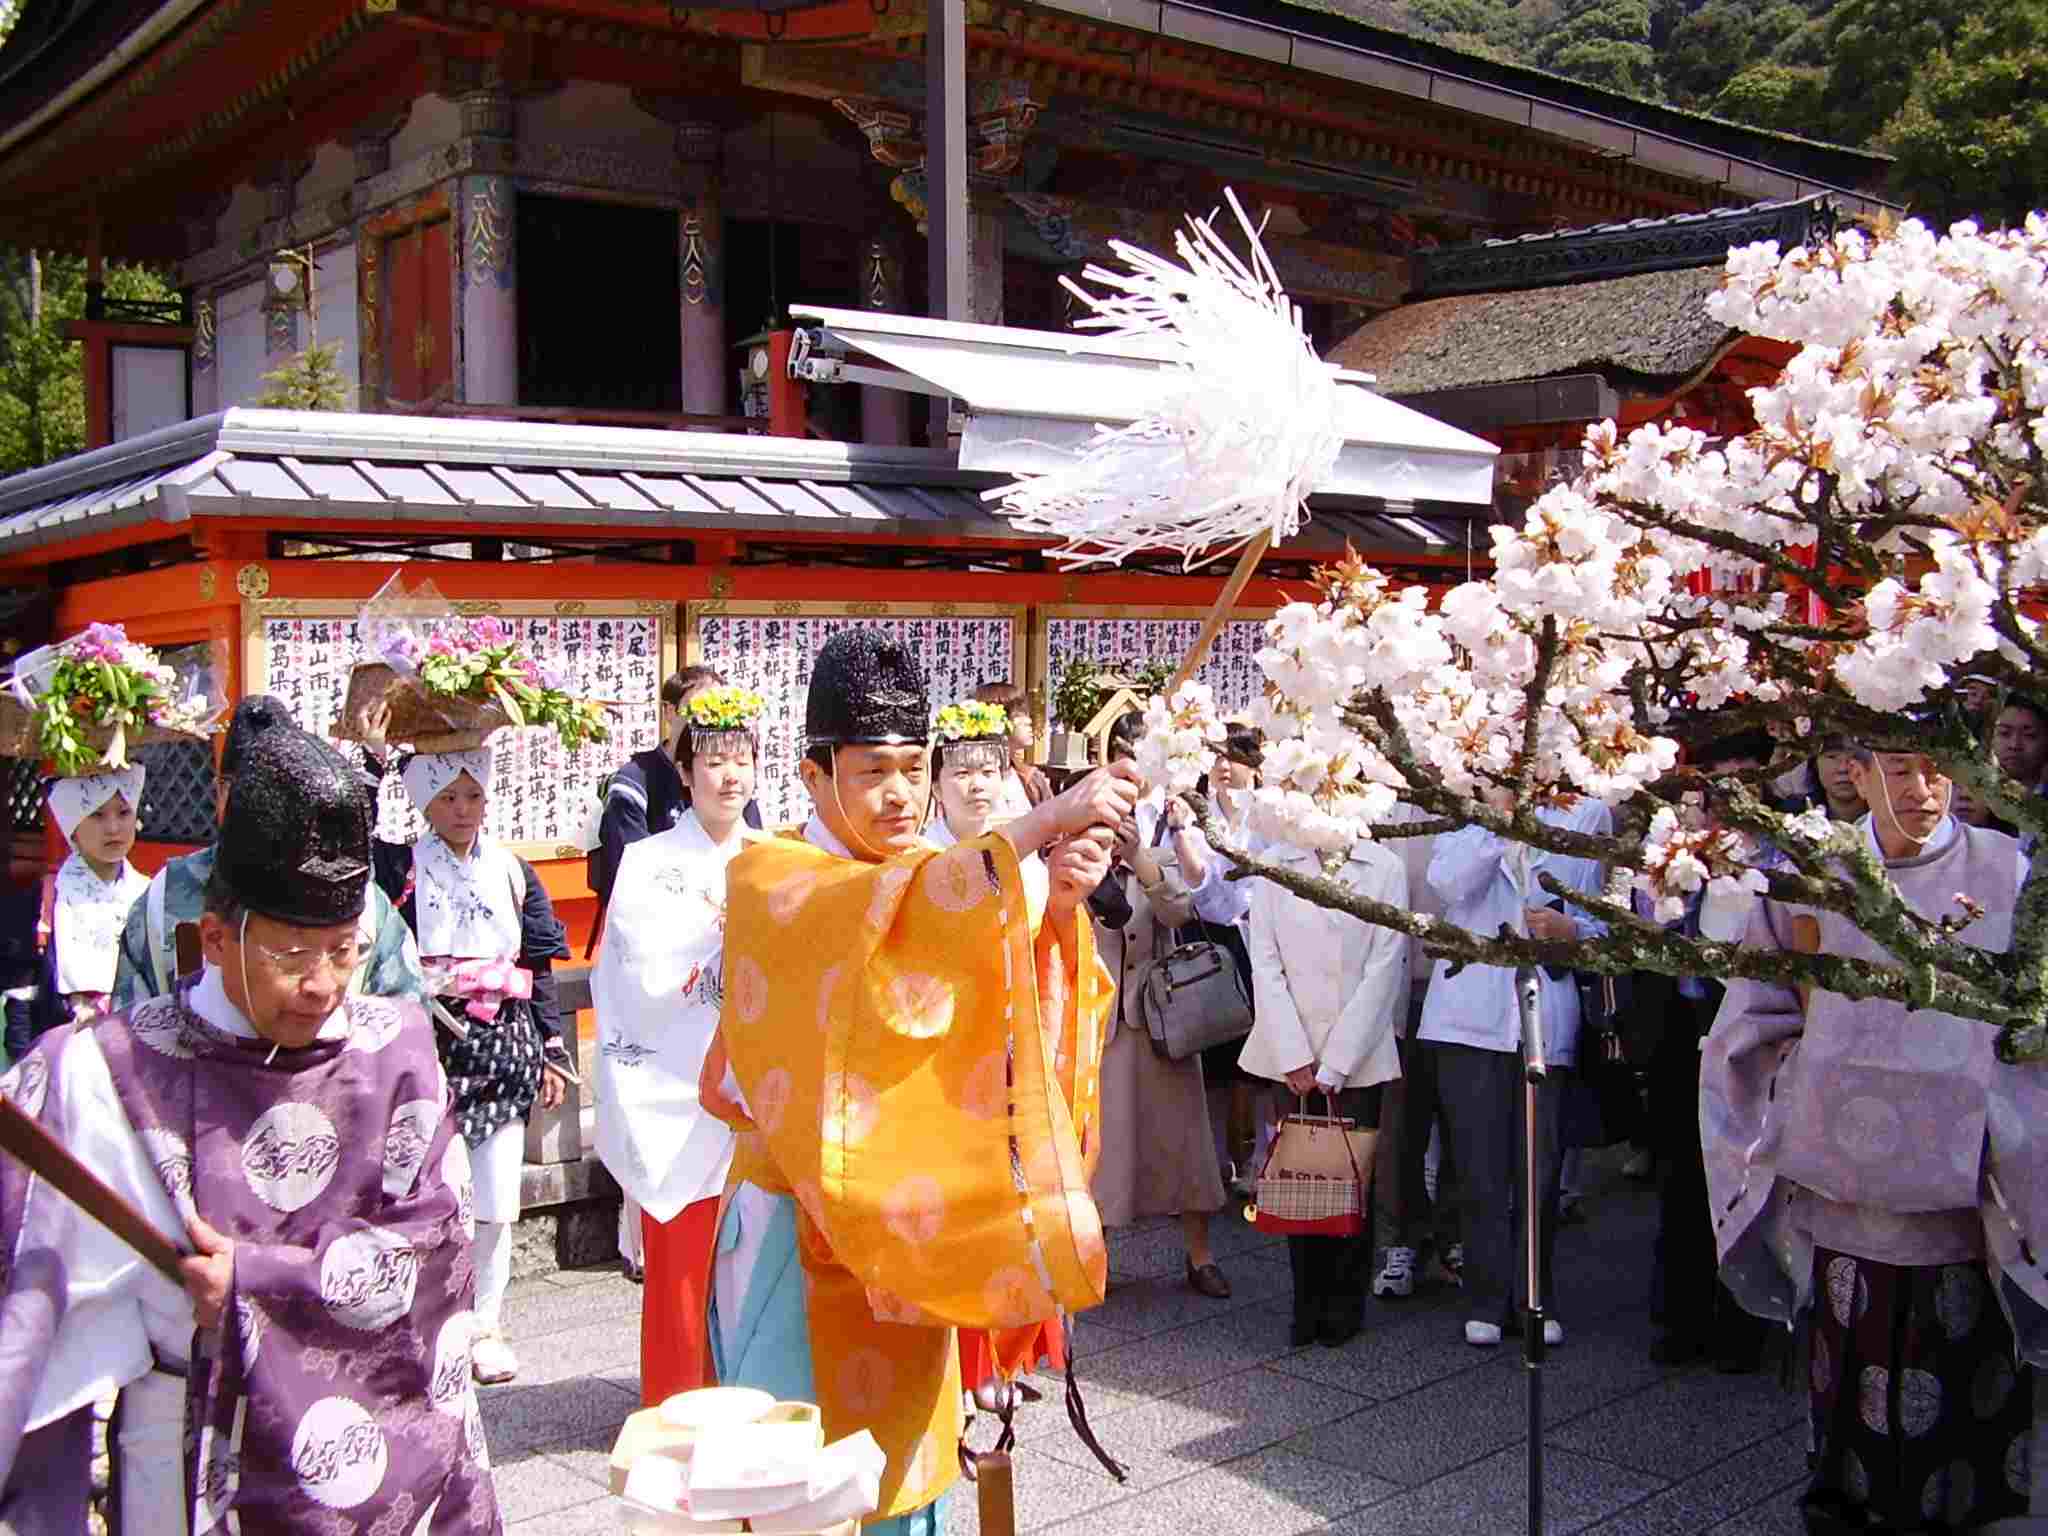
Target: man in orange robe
x=917, y=1079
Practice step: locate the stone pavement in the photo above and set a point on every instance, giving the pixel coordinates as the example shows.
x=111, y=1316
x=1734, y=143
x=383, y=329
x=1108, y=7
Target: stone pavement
x=1226, y=1429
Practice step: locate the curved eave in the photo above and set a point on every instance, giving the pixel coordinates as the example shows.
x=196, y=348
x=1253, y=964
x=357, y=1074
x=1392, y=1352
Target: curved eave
x=311, y=472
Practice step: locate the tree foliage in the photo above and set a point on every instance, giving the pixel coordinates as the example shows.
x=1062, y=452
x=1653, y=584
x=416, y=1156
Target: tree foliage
x=1956, y=91
x=1845, y=568
x=42, y=397
x=311, y=381
x=1972, y=135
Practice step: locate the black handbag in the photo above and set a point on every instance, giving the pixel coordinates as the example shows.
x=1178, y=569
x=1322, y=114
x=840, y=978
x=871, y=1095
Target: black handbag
x=1604, y=1104
x=1191, y=994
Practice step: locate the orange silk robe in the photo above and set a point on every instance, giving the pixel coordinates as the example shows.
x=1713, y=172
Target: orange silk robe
x=924, y=1078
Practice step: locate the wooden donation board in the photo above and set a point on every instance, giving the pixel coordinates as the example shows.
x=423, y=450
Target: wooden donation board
x=544, y=798
x=769, y=647
x=1127, y=639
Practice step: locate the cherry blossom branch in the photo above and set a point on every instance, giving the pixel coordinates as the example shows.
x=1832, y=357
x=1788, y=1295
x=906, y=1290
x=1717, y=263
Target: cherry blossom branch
x=1632, y=944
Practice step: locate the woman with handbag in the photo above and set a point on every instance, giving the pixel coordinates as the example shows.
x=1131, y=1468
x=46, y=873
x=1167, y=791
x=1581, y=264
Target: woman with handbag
x=1158, y=1153
x=1329, y=990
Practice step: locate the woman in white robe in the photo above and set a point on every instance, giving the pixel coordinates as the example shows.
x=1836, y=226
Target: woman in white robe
x=657, y=989
x=978, y=790
x=85, y=903
x=488, y=940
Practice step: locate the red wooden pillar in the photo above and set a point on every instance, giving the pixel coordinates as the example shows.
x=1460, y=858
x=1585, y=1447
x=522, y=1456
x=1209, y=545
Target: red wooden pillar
x=787, y=411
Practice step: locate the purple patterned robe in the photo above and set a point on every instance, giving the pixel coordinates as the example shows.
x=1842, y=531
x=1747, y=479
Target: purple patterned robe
x=336, y=1395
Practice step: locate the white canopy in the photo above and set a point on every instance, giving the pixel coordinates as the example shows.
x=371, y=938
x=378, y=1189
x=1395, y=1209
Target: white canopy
x=1034, y=398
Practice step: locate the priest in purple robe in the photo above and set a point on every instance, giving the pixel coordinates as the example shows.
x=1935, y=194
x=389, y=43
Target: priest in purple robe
x=297, y=1141
x=1877, y=1168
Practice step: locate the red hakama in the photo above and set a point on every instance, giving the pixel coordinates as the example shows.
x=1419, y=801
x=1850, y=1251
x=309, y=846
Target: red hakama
x=675, y=1339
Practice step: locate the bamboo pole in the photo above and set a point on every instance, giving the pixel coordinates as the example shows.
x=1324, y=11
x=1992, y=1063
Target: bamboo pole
x=31, y=1145
x=1219, y=611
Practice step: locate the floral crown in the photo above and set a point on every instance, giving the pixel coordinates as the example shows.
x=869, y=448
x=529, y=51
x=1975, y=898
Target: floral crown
x=972, y=721
x=724, y=709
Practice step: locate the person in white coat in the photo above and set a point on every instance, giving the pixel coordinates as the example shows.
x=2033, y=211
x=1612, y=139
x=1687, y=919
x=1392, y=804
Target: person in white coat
x=1329, y=990
x=657, y=989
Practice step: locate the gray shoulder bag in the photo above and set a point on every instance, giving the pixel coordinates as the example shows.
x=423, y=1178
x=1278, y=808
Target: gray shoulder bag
x=1190, y=995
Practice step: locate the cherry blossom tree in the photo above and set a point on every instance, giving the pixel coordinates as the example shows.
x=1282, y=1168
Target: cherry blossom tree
x=1843, y=568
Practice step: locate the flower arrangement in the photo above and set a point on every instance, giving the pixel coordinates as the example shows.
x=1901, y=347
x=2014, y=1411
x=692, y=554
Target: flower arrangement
x=480, y=659
x=83, y=702
x=479, y=663
x=725, y=709
x=972, y=720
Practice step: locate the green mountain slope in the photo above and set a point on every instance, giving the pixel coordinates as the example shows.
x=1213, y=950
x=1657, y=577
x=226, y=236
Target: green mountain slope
x=1956, y=91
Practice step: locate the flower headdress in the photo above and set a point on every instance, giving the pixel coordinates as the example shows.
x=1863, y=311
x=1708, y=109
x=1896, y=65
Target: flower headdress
x=716, y=714
x=80, y=704
x=973, y=734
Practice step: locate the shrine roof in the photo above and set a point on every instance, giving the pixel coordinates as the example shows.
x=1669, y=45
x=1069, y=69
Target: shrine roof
x=1616, y=250
x=280, y=468
x=1626, y=301
x=1644, y=333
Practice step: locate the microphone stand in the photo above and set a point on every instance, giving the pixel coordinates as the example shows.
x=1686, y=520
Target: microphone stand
x=1535, y=1068
x=1528, y=999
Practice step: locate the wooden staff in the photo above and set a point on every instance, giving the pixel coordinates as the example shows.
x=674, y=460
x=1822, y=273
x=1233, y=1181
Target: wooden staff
x=29, y=1144
x=995, y=1494
x=1219, y=611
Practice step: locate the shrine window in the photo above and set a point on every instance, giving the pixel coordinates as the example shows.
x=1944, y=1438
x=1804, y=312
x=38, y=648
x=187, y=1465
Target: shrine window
x=599, y=292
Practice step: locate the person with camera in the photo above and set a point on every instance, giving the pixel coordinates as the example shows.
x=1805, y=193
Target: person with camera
x=1158, y=1148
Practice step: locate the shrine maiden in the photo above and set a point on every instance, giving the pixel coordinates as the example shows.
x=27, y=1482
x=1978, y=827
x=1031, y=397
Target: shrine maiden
x=293, y=1137
x=176, y=895
x=84, y=904
x=488, y=940
x=883, y=1000
x=977, y=790
x=657, y=987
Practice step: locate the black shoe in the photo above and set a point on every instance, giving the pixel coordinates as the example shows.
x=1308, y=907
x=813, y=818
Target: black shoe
x=1209, y=1281
x=1301, y=1334
x=1738, y=1361
x=1670, y=1348
x=1335, y=1334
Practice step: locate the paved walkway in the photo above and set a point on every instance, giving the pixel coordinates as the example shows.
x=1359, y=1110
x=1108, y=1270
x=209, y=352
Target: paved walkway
x=1226, y=1429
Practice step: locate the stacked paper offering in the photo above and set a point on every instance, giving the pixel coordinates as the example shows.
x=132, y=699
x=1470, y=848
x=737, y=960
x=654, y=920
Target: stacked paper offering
x=733, y=1460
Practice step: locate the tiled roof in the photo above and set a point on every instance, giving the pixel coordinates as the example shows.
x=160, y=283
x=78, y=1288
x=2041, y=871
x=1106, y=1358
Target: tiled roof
x=331, y=468
x=1617, y=250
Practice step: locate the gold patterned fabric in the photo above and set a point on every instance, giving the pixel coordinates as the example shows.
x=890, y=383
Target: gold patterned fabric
x=924, y=1078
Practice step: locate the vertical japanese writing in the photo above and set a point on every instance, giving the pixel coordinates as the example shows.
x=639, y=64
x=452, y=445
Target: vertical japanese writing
x=541, y=793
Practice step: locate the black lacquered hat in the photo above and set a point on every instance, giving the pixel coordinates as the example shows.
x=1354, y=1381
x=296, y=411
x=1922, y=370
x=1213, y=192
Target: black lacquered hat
x=295, y=845
x=867, y=689
x=258, y=713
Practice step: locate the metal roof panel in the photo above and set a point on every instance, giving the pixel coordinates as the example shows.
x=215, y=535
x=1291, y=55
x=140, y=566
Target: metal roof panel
x=260, y=477
x=616, y=492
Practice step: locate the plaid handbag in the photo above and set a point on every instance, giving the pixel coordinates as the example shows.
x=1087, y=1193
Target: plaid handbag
x=1314, y=1180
